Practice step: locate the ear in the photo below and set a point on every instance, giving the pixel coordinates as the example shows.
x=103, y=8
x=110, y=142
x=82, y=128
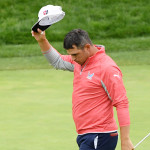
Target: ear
x=87, y=47
x=74, y=46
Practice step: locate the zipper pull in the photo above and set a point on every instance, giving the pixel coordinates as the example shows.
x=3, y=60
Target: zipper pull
x=81, y=72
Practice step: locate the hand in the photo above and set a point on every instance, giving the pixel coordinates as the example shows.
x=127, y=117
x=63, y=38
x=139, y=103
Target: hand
x=40, y=36
x=127, y=145
x=41, y=39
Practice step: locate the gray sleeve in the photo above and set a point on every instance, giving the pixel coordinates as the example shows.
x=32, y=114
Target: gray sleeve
x=54, y=58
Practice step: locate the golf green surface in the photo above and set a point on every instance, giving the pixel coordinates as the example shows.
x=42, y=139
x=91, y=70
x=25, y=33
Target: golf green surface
x=35, y=108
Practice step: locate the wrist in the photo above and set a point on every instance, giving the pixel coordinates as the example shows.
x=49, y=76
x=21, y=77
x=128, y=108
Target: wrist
x=123, y=139
x=124, y=136
x=44, y=44
x=41, y=41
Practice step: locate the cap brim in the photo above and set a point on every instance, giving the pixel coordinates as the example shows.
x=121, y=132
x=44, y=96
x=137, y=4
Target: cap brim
x=36, y=26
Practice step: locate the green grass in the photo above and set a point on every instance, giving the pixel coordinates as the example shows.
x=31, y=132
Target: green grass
x=39, y=62
x=132, y=51
x=26, y=50
x=36, y=108
x=36, y=99
x=101, y=18
x=33, y=112
x=111, y=45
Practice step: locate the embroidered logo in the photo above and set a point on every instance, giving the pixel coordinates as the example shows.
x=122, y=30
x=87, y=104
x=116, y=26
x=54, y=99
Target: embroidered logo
x=117, y=75
x=45, y=12
x=90, y=75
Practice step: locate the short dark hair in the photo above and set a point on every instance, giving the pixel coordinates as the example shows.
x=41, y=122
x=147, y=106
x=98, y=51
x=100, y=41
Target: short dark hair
x=78, y=38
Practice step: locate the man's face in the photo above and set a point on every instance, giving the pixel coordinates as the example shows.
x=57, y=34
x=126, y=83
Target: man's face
x=79, y=55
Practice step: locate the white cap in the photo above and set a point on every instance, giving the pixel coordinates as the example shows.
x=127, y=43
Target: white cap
x=50, y=14
x=47, y=16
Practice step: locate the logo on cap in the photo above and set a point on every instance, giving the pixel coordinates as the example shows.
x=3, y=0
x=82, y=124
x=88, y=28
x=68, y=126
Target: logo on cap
x=45, y=12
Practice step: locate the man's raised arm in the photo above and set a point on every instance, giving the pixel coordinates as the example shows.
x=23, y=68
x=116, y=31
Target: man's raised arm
x=41, y=39
x=58, y=61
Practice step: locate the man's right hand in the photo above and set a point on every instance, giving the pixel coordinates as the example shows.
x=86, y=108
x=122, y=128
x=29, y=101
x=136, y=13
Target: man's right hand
x=41, y=39
x=39, y=36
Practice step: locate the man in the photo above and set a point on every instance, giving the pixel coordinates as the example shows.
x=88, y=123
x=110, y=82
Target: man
x=97, y=87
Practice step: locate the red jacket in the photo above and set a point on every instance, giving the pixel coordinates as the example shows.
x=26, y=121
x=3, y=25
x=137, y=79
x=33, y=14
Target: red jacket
x=97, y=87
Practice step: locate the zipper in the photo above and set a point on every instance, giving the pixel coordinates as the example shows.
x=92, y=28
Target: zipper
x=83, y=67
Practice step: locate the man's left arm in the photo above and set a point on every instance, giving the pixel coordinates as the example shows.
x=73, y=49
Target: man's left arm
x=124, y=123
x=119, y=99
x=126, y=143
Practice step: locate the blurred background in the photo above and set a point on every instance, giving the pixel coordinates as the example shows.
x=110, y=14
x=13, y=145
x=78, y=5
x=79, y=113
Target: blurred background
x=101, y=18
x=36, y=100
x=120, y=25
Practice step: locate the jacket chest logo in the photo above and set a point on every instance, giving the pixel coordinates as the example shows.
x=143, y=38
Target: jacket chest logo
x=90, y=76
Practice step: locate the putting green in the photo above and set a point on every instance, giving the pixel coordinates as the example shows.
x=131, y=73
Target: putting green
x=36, y=108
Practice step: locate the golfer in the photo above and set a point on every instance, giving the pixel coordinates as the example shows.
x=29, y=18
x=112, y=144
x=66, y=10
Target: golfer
x=97, y=88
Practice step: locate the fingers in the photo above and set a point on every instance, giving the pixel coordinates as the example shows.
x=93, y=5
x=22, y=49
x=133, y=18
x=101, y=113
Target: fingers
x=32, y=32
x=40, y=31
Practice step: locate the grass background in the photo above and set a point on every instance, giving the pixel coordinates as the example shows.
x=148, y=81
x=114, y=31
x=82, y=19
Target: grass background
x=101, y=18
x=36, y=99
x=36, y=108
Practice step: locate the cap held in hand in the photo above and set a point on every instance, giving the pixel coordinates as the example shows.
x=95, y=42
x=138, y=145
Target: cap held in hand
x=47, y=16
